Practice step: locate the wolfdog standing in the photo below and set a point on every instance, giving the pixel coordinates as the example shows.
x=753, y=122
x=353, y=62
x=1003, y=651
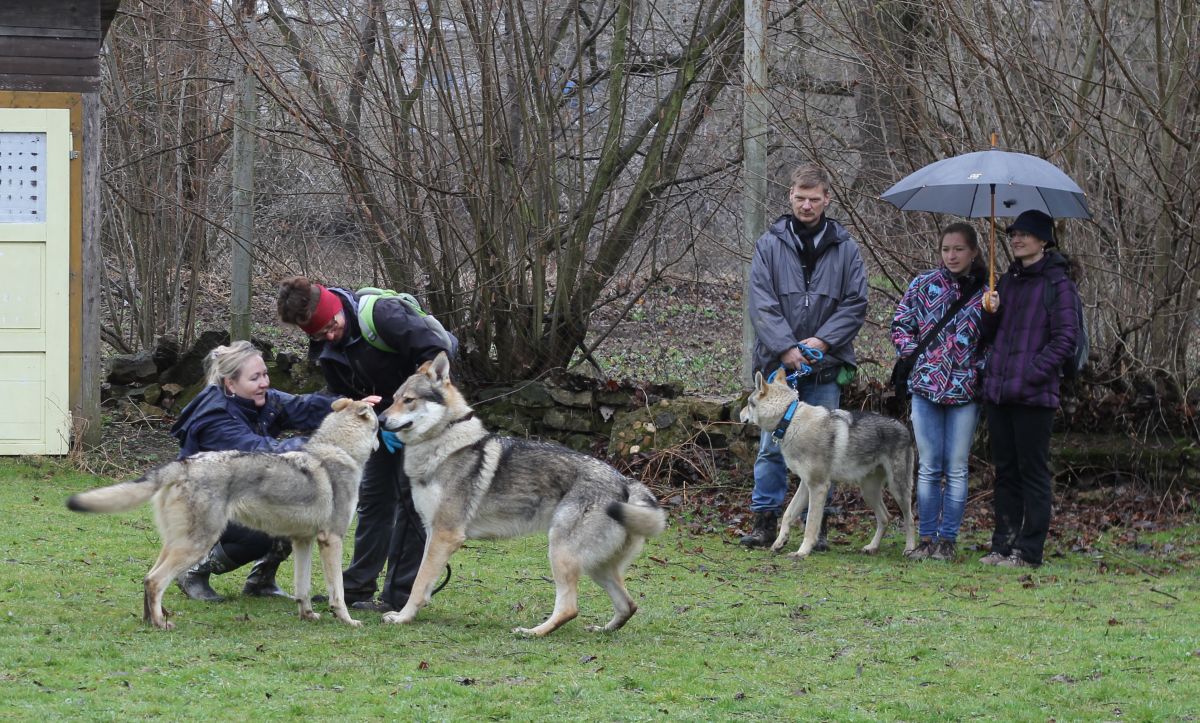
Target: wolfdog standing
x=822, y=446
x=469, y=484
x=302, y=495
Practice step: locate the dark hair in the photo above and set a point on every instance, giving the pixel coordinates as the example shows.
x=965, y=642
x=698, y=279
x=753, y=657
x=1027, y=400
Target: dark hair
x=967, y=231
x=298, y=299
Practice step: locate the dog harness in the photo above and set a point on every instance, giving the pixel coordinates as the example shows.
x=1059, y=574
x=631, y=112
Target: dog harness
x=782, y=428
x=793, y=380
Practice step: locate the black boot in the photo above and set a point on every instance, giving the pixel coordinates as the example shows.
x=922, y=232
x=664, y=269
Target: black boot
x=766, y=524
x=261, y=580
x=194, y=582
x=822, y=544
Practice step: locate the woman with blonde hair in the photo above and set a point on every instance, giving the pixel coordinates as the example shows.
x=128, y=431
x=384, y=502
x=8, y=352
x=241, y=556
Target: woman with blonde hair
x=238, y=410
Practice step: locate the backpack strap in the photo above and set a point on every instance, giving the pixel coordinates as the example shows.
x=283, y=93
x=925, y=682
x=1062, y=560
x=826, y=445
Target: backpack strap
x=367, y=296
x=366, y=322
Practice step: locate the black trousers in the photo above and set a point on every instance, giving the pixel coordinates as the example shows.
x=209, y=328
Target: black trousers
x=389, y=531
x=243, y=545
x=1020, y=439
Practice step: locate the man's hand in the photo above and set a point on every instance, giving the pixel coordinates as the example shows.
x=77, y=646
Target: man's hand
x=792, y=358
x=815, y=343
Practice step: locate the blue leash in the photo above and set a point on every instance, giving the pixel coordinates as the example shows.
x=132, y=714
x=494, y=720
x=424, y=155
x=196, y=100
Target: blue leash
x=811, y=355
x=793, y=380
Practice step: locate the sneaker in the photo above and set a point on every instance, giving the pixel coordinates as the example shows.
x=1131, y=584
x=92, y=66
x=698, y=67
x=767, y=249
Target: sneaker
x=922, y=551
x=992, y=558
x=944, y=550
x=1015, y=560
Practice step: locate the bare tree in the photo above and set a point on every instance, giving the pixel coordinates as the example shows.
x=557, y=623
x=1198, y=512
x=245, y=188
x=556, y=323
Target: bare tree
x=164, y=135
x=506, y=159
x=1108, y=92
x=523, y=164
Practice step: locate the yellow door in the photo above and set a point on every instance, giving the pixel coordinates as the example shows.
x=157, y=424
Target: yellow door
x=35, y=147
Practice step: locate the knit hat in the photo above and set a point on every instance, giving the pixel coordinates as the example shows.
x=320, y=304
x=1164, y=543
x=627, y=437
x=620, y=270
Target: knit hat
x=1035, y=223
x=328, y=305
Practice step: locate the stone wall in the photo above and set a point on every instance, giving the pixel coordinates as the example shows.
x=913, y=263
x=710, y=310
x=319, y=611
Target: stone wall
x=575, y=410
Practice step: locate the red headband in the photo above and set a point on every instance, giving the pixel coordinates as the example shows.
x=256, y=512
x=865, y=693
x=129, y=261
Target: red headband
x=327, y=307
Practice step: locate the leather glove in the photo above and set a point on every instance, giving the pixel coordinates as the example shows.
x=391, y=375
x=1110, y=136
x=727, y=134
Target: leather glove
x=391, y=440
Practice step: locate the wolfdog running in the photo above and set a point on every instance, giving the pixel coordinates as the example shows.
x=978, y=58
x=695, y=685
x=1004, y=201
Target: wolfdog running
x=302, y=495
x=469, y=484
x=822, y=446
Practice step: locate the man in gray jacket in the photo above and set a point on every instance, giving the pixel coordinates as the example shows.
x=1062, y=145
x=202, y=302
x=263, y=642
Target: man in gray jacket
x=808, y=288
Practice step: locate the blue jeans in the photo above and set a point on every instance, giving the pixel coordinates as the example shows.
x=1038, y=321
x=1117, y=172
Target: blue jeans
x=944, y=433
x=770, y=471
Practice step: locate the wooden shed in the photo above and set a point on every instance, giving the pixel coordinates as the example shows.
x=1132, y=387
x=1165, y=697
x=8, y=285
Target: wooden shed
x=50, y=259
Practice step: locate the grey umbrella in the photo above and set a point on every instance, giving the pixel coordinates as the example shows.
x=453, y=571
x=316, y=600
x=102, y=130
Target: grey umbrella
x=976, y=184
x=963, y=186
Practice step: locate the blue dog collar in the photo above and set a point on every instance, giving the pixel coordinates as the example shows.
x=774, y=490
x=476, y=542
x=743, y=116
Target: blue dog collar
x=782, y=428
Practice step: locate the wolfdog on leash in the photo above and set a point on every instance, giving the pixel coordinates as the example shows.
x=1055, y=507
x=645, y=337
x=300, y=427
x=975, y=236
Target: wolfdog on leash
x=303, y=495
x=469, y=484
x=822, y=446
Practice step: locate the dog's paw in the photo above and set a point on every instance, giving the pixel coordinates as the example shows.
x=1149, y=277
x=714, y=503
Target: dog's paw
x=868, y=550
x=798, y=554
x=778, y=546
x=529, y=632
x=398, y=618
x=353, y=623
x=309, y=615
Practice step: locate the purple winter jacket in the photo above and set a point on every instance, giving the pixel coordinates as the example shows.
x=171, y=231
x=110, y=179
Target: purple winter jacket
x=1029, y=343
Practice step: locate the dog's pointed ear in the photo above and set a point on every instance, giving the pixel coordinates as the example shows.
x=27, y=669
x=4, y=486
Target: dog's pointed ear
x=365, y=410
x=758, y=383
x=340, y=404
x=439, y=368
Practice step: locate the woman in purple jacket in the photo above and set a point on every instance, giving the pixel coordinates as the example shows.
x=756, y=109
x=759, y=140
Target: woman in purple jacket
x=1032, y=331
x=944, y=383
x=238, y=410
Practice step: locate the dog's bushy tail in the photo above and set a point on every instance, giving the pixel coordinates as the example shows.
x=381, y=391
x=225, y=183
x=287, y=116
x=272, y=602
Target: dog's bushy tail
x=641, y=515
x=122, y=496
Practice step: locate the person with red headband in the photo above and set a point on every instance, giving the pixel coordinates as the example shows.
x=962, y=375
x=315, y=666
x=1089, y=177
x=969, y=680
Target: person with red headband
x=389, y=529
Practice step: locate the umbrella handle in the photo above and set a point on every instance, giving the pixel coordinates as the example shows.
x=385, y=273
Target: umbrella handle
x=991, y=246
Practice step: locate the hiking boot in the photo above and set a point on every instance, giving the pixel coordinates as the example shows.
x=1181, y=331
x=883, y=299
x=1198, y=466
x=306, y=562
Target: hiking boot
x=352, y=596
x=923, y=551
x=822, y=543
x=766, y=525
x=373, y=605
x=992, y=558
x=261, y=580
x=944, y=550
x=194, y=582
x=1015, y=560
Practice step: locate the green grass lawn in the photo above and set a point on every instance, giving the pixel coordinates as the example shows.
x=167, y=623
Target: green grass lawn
x=722, y=634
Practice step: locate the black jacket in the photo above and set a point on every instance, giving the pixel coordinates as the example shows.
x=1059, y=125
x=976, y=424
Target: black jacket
x=353, y=368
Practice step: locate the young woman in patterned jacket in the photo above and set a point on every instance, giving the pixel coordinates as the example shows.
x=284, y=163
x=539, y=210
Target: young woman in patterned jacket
x=944, y=383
